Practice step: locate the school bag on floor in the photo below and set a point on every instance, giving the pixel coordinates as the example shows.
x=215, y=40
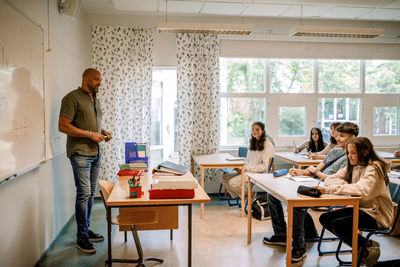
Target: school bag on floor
x=259, y=208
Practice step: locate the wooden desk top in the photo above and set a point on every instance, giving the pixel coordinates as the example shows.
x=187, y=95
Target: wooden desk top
x=120, y=195
x=297, y=158
x=217, y=159
x=285, y=189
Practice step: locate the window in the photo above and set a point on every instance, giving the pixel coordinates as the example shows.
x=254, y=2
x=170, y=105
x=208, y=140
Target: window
x=237, y=116
x=290, y=99
x=242, y=75
x=386, y=120
x=339, y=76
x=292, y=121
x=242, y=98
x=163, y=115
x=382, y=76
x=337, y=109
x=291, y=76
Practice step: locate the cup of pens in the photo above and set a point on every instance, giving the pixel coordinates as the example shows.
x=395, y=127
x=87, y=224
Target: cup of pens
x=135, y=187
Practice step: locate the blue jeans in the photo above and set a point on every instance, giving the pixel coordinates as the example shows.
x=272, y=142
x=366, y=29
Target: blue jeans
x=86, y=171
x=279, y=224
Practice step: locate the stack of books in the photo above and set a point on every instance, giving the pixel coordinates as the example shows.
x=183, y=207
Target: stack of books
x=133, y=166
x=168, y=168
x=173, y=181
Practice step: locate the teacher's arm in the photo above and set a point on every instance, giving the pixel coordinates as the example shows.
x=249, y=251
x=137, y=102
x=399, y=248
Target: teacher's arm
x=65, y=126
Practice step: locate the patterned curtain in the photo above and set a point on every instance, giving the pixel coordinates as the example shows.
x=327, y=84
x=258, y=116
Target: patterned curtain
x=198, y=94
x=123, y=55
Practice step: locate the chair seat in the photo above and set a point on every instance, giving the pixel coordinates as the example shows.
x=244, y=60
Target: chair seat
x=135, y=218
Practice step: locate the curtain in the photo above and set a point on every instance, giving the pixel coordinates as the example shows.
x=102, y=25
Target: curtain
x=123, y=55
x=198, y=94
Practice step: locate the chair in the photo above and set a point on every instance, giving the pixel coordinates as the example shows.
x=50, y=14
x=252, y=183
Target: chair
x=270, y=168
x=132, y=219
x=377, y=231
x=242, y=152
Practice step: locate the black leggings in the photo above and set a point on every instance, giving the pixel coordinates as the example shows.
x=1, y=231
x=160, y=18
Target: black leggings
x=340, y=223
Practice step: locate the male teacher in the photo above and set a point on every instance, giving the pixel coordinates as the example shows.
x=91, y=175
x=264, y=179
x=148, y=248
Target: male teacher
x=80, y=118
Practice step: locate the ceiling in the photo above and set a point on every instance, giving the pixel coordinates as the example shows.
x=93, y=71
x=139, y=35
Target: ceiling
x=370, y=10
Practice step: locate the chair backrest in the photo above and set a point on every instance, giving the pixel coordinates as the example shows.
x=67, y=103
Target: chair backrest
x=270, y=164
x=105, y=189
x=242, y=152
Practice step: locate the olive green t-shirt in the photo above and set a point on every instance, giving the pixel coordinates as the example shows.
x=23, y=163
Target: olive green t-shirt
x=86, y=115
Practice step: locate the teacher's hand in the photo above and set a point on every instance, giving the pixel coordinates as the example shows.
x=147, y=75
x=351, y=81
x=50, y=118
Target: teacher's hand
x=97, y=137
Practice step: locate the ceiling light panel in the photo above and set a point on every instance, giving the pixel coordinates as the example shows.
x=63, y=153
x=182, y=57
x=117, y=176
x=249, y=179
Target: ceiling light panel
x=265, y=10
x=275, y=2
x=237, y=29
x=381, y=14
x=345, y=12
x=180, y=7
x=336, y=32
x=309, y=11
x=222, y=8
x=136, y=5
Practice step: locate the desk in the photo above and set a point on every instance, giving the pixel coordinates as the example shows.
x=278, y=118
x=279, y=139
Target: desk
x=300, y=160
x=217, y=161
x=389, y=157
x=286, y=191
x=119, y=198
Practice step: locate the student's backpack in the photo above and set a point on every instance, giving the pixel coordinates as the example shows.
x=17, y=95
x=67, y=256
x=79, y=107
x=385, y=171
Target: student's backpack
x=259, y=208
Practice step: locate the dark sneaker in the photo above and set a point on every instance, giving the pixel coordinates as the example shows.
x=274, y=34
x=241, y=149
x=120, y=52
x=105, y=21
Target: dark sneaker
x=298, y=255
x=84, y=245
x=93, y=237
x=275, y=240
x=373, y=256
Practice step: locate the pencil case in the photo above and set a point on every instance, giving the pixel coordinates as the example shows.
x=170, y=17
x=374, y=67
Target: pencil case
x=280, y=172
x=309, y=191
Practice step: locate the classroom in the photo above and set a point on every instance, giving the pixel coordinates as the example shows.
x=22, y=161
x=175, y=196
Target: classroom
x=187, y=78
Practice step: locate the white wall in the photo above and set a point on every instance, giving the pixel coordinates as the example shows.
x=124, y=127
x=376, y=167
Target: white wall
x=35, y=206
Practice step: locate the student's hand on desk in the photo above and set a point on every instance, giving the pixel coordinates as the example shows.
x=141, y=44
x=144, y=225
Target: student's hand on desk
x=310, y=170
x=320, y=188
x=314, y=156
x=97, y=137
x=295, y=172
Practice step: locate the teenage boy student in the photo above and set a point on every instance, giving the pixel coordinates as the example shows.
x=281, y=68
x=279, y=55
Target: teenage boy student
x=335, y=160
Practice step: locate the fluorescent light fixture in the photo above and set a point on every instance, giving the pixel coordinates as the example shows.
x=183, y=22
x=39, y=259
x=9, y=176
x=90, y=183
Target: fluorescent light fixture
x=340, y=32
x=239, y=29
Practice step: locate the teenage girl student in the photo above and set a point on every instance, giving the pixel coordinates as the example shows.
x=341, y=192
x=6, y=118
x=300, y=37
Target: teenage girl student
x=332, y=144
x=261, y=150
x=315, y=144
x=364, y=176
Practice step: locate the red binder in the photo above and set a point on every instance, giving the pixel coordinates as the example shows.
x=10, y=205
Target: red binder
x=129, y=172
x=171, y=193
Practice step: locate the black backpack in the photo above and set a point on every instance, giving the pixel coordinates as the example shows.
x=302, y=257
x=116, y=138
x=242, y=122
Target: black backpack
x=259, y=208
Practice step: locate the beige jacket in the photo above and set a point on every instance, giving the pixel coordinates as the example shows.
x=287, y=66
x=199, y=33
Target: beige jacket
x=257, y=161
x=376, y=200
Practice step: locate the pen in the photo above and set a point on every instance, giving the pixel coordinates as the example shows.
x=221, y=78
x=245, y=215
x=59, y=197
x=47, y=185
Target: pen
x=319, y=182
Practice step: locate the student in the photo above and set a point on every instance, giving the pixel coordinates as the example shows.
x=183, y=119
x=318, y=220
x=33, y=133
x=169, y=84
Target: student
x=315, y=144
x=334, y=161
x=332, y=144
x=364, y=176
x=261, y=150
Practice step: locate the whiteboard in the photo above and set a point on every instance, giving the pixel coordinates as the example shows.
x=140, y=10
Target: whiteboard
x=21, y=93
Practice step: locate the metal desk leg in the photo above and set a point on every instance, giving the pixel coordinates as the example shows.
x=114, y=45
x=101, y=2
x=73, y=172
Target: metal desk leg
x=109, y=261
x=190, y=235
